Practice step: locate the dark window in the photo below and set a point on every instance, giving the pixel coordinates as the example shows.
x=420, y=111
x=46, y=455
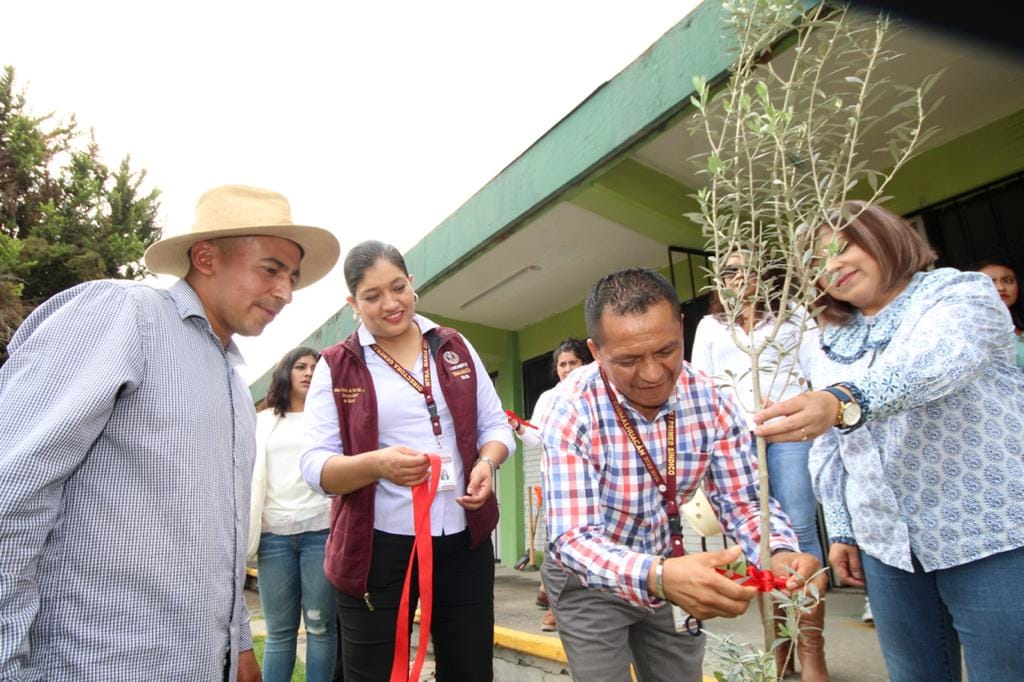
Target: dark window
x=983, y=223
x=687, y=268
x=538, y=376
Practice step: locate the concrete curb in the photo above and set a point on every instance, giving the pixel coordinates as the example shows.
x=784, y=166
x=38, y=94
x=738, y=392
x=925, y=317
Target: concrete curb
x=533, y=658
x=527, y=643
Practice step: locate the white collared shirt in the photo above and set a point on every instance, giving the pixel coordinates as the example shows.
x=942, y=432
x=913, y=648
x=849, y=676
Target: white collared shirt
x=403, y=420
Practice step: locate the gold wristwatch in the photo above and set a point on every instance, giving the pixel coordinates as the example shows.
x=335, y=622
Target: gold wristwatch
x=850, y=413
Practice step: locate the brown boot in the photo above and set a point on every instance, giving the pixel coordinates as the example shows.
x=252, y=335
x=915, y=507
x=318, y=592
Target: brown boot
x=785, y=657
x=810, y=646
x=542, y=598
x=547, y=623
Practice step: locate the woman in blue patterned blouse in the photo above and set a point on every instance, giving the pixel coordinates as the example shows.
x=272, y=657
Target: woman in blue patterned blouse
x=920, y=463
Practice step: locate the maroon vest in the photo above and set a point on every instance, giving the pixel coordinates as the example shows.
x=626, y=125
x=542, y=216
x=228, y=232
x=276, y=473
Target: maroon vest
x=349, y=545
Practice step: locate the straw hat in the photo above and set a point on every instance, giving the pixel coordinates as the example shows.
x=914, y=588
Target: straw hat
x=241, y=211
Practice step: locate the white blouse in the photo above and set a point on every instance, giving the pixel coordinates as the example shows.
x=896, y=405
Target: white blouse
x=531, y=437
x=290, y=506
x=716, y=354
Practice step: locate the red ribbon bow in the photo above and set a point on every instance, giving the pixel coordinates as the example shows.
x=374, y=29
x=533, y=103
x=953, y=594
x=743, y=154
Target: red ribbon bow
x=520, y=420
x=764, y=581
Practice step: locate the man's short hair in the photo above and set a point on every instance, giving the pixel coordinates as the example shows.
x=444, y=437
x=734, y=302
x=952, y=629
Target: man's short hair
x=627, y=292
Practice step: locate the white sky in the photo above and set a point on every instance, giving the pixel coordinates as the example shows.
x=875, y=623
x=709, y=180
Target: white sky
x=376, y=120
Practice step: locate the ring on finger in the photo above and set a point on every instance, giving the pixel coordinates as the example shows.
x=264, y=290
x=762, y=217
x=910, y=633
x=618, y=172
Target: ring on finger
x=802, y=431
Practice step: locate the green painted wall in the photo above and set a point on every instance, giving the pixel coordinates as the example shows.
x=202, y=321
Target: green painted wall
x=644, y=200
x=491, y=343
x=972, y=160
x=499, y=351
x=511, y=543
x=543, y=336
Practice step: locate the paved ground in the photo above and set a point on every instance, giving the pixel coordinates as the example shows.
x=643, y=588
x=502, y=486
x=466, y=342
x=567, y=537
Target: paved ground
x=851, y=646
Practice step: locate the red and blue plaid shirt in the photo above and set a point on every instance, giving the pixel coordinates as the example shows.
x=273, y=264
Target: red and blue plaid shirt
x=606, y=521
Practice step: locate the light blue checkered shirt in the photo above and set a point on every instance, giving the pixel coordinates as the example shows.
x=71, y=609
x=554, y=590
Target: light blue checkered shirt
x=126, y=456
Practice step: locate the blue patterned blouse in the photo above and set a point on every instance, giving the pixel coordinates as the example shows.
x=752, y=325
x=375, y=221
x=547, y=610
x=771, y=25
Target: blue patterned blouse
x=937, y=469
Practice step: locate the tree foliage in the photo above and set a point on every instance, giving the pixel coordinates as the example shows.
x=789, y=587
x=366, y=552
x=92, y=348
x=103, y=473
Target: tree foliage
x=807, y=119
x=65, y=217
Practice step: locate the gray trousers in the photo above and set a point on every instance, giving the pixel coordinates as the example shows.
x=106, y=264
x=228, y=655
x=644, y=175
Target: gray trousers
x=602, y=635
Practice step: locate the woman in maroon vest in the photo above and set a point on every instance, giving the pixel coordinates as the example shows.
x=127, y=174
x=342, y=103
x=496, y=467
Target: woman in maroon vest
x=398, y=387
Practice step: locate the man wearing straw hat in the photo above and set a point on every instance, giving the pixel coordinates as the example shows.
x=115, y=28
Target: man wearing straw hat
x=126, y=455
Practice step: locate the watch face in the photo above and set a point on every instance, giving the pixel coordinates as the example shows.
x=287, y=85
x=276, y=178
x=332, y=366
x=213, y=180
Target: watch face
x=851, y=415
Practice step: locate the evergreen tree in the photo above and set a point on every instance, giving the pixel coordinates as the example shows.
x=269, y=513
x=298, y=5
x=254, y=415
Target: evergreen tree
x=65, y=217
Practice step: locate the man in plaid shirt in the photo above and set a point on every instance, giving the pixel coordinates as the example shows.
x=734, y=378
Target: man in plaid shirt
x=609, y=532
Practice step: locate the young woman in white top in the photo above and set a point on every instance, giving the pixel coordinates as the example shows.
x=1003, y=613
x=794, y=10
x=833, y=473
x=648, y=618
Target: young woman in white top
x=567, y=356
x=782, y=376
x=288, y=530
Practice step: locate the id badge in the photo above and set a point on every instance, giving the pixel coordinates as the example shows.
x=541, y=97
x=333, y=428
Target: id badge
x=447, y=482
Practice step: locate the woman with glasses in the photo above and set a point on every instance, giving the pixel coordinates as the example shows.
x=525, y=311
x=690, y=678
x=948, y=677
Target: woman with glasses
x=784, y=366
x=919, y=462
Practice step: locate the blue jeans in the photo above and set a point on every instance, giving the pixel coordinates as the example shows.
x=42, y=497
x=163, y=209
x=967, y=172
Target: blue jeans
x=922, y=618
x=292, y=576
x=790, y=484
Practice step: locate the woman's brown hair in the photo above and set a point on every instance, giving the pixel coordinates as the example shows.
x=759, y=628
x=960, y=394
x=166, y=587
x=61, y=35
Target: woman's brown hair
x=894, y=243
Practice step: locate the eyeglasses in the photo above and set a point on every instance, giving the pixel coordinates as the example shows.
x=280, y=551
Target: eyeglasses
x=729, y=272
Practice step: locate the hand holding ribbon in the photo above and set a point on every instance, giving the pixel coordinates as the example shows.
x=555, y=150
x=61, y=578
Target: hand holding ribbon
x=790, y=571
x=519, y=420
x=764, y=581
x=423, y=552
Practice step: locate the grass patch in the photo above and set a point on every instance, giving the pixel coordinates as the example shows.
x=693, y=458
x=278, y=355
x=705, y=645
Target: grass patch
x=298, y=675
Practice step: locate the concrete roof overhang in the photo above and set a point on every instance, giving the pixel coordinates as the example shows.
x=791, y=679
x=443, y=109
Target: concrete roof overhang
x=608, y=185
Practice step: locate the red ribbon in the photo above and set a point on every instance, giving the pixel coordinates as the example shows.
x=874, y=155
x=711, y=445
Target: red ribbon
x=764, y=581
x=512, y=415
x=423, y=551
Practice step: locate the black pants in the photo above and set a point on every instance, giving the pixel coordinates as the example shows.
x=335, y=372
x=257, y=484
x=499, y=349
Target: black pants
x=339, y=668
x=462, y=629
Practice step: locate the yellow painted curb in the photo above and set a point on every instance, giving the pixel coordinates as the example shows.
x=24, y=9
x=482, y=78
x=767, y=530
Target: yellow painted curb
x=541, y=646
